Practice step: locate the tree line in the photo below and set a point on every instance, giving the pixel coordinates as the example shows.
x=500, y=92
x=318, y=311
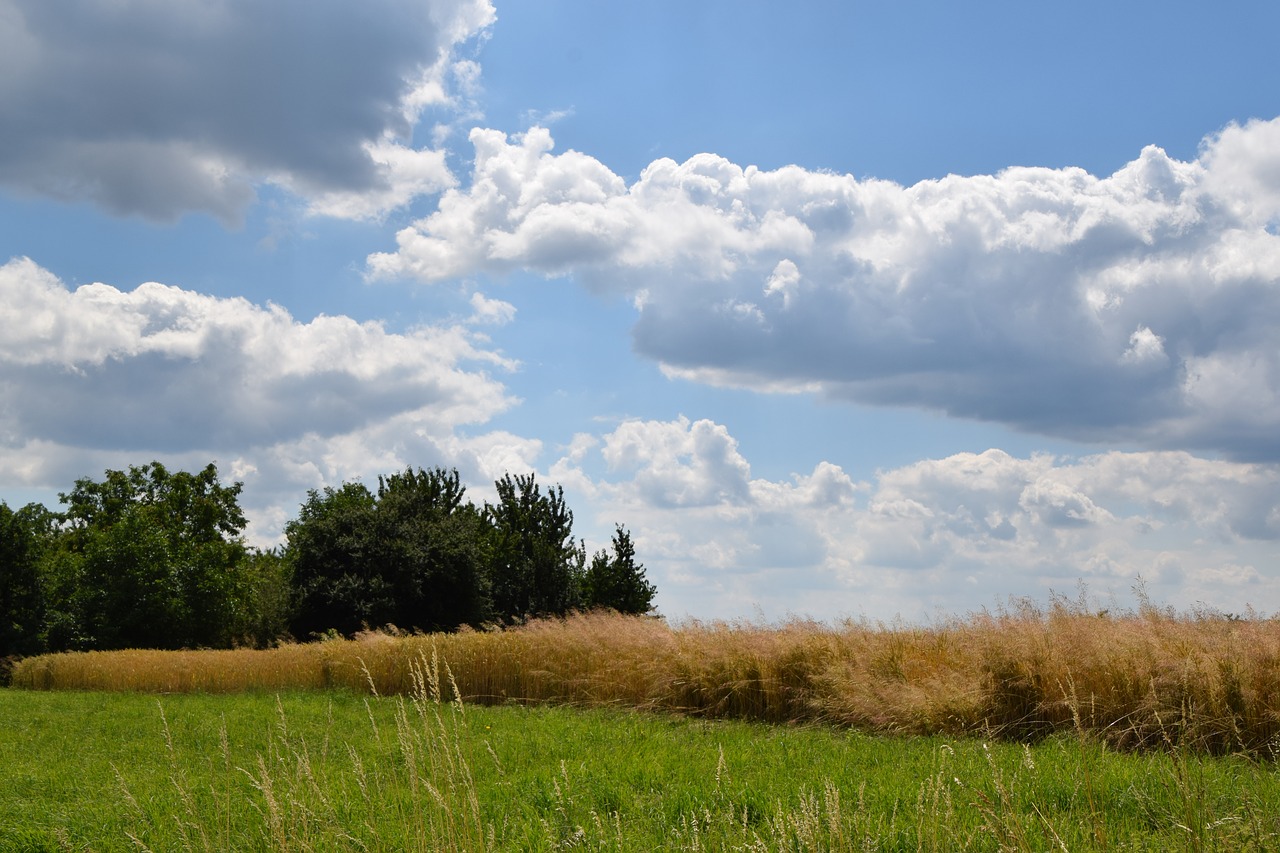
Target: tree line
x=148, y=558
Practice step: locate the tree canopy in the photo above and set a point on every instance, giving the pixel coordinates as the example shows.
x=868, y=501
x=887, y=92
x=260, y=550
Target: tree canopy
x=535, y=567
x=410, y=555
x=618, y=582
x=23, y=536
x=150, y=558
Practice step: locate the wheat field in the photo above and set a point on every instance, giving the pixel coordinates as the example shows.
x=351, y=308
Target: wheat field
x=1143, y=679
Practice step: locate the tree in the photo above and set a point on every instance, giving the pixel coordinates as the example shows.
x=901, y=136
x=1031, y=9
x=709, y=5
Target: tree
x=269, y=599
x=148, y=559
x=337, y=585
x=418, y=555
x=534, y=567
x=409, y=555
x=24, y=536
x=618, y=583
x=428, y=544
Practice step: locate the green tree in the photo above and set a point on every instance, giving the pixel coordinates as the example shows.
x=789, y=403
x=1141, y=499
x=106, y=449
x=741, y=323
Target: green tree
x=535, y=569
x=337, y=582
x=429, y=545
x=418, y=555
x=269, y=600
x=148, y=559
x=409, y=555
x=60, y=572
x=618, y=582
x=24, y=537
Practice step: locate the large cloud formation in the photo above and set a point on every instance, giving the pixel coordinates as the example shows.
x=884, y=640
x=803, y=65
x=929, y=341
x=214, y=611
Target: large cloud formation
x=97, y=376
x=1140, y=307
x=159, y=107
x=954, y=533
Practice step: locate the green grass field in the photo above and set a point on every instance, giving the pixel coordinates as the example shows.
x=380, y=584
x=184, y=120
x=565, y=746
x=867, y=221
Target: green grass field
x=339, y=771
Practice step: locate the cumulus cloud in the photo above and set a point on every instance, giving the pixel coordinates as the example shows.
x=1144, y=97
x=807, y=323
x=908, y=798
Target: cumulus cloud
x=955, y=533
x=1141, y=307
x=97, y=377
x=160, y=108
x=680, y=464
x=162, y=367
x=493, y=312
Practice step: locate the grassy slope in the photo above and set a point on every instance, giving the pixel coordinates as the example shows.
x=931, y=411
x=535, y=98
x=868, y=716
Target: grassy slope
x=545, y=776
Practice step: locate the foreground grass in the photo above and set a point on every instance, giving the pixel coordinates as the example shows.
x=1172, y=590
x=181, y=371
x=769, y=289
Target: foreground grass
x=338, y=771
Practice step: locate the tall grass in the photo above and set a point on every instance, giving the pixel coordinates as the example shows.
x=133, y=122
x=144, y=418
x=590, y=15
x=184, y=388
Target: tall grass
x=1134, y=680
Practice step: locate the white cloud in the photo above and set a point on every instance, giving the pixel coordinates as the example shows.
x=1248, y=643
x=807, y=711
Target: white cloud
x=953, y=534
x=1244, y=169
x=492, y=312
x=1141, y=306
x=404, y=174
x=494, y=454
x=679, y=464
x=783, y=280
x=1145, y=347
x=160, y=366
x=98, y=377
x=161, y=108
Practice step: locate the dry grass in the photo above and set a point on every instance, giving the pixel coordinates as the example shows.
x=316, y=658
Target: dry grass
x=1136, y=680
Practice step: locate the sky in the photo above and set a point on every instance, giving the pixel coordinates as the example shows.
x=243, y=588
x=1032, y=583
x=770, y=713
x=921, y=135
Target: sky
x=845, y=310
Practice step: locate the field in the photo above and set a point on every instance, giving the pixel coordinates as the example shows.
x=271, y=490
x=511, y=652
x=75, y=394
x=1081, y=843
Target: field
x=337, y=771
x=1058, y=729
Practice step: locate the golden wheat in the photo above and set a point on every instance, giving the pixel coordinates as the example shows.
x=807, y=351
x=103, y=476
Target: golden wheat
x=1135, y=680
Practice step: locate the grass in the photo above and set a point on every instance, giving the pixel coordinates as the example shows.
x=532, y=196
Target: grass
x=1030, y=728
x=1137, y=680
x=339, y=771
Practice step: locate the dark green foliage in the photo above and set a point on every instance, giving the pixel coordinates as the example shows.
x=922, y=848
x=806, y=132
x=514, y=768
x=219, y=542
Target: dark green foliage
x=337, y=582
x=419, y=556
x=268, y=586
x=147, y=559
x=60, y=582
x=428, y=543
x=408, y=556
x=24, y=536
x=130, y=596
x=618, y=583
x=534, y=566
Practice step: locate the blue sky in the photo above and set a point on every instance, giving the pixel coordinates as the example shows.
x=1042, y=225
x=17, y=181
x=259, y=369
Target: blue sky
x=845, y=309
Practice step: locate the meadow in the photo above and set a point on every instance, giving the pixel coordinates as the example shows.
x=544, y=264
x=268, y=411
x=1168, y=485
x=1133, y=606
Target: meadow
x=1054, y=728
